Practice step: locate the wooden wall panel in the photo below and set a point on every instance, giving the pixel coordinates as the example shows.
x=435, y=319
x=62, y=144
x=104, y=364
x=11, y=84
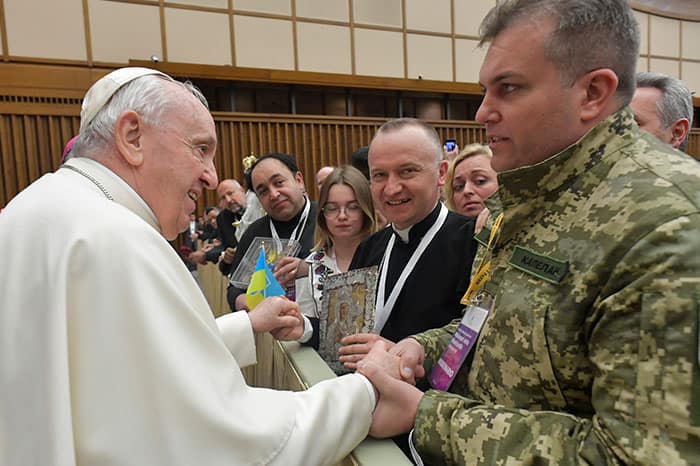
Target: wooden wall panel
x=31, y=144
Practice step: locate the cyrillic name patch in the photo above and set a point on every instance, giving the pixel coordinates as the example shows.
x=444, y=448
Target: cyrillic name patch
x=547, y=268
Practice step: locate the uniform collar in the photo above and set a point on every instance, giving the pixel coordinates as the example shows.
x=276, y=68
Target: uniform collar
x=524, y=191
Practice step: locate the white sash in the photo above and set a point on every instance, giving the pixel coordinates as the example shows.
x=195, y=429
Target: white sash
x=383, y=309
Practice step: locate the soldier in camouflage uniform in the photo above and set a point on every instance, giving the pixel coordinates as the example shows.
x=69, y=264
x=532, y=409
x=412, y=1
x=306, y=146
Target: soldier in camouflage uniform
x=591, y=354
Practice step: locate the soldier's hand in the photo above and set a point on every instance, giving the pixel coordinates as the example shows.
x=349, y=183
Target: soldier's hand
x=355, y=347
x=397, y=402
x=412, y=355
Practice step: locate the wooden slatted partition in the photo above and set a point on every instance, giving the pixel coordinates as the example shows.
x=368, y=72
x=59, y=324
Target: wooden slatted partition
x=314, y=141
x=30, y=146
x=32, y=138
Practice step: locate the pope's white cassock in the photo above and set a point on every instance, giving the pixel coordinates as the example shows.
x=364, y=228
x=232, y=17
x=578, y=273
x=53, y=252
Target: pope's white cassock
x=110, y=355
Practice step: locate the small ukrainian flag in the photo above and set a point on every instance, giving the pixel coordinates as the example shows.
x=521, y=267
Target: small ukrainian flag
x=262, y=283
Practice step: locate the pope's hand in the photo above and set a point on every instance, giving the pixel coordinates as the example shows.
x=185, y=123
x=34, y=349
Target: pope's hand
x=279, y=316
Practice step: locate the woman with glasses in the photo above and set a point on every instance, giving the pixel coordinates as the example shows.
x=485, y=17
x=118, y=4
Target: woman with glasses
x=345, y=217
x=470, y=180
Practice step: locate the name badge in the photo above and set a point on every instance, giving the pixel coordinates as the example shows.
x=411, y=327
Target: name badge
x=444, y=372
x=547, y=268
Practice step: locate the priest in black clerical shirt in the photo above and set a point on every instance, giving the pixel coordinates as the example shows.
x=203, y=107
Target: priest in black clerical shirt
x=426, y=253
x=279, y=185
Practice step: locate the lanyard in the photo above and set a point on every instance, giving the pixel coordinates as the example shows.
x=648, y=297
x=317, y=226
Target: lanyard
x=483, y=272
x=383, y=309
x=478, y=305
x=297, y=232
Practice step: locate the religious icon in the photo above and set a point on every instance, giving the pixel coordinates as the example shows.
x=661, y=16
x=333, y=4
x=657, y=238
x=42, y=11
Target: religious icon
x=347, y=308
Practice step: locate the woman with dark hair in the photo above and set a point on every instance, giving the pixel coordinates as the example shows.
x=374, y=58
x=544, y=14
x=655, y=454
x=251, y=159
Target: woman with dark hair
x=345, y=217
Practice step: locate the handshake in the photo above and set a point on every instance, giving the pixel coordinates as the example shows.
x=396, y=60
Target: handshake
x=393, y=369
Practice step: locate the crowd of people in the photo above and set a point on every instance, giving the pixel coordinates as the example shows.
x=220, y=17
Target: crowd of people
x=537, y=296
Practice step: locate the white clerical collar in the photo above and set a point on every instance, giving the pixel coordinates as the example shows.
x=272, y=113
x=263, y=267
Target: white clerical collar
x=423, y=225
x=403, y=234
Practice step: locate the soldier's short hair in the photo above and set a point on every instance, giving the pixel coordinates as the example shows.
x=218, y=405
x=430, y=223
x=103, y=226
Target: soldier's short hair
x=588, y=34
x=676, y=100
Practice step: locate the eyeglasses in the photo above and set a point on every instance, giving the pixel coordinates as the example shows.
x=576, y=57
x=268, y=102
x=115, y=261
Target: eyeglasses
x=331, y=210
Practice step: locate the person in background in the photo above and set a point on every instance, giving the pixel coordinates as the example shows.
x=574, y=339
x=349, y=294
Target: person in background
x=66, y=150
x=321, y=175
x=232, y=202
x=470, y=180
x=127, y=365
x=279, y=185
x=254, y=209
x=585, y=313
x=450, y=151
x=345, y=217
x=663, y=106
x=358, y=159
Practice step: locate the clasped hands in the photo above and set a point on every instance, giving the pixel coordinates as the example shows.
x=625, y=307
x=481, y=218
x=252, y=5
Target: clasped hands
x=279, y=316
x=392, y=369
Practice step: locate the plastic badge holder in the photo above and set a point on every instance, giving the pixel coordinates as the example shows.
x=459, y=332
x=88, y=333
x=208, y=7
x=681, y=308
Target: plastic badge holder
x=274, y=250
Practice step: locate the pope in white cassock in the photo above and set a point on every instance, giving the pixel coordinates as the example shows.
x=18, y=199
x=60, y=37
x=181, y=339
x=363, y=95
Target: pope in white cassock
x=109, y=353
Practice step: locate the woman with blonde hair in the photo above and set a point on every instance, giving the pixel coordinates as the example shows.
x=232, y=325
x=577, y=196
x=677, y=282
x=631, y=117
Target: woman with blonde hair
x=345, y=217
x=470, y=180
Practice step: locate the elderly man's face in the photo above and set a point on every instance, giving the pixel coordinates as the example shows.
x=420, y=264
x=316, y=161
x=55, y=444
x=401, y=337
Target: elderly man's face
x=405, y=176
x=231, y=196
x=178, y=162
x=644, y=108
x=528, y=114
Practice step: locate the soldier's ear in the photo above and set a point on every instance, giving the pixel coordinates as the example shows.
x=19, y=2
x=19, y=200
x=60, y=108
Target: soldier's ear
x=598, y=97
x=679, y=130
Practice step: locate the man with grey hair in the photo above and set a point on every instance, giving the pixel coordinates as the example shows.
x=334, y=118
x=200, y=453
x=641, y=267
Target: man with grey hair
x=579, y=343
x=109, y=352
x=663, y=107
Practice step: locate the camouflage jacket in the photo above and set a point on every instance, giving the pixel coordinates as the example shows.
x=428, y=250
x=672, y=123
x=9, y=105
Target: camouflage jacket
x=591, y=353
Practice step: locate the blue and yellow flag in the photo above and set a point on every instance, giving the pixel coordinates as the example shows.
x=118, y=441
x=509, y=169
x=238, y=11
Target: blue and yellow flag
x=262, y=283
